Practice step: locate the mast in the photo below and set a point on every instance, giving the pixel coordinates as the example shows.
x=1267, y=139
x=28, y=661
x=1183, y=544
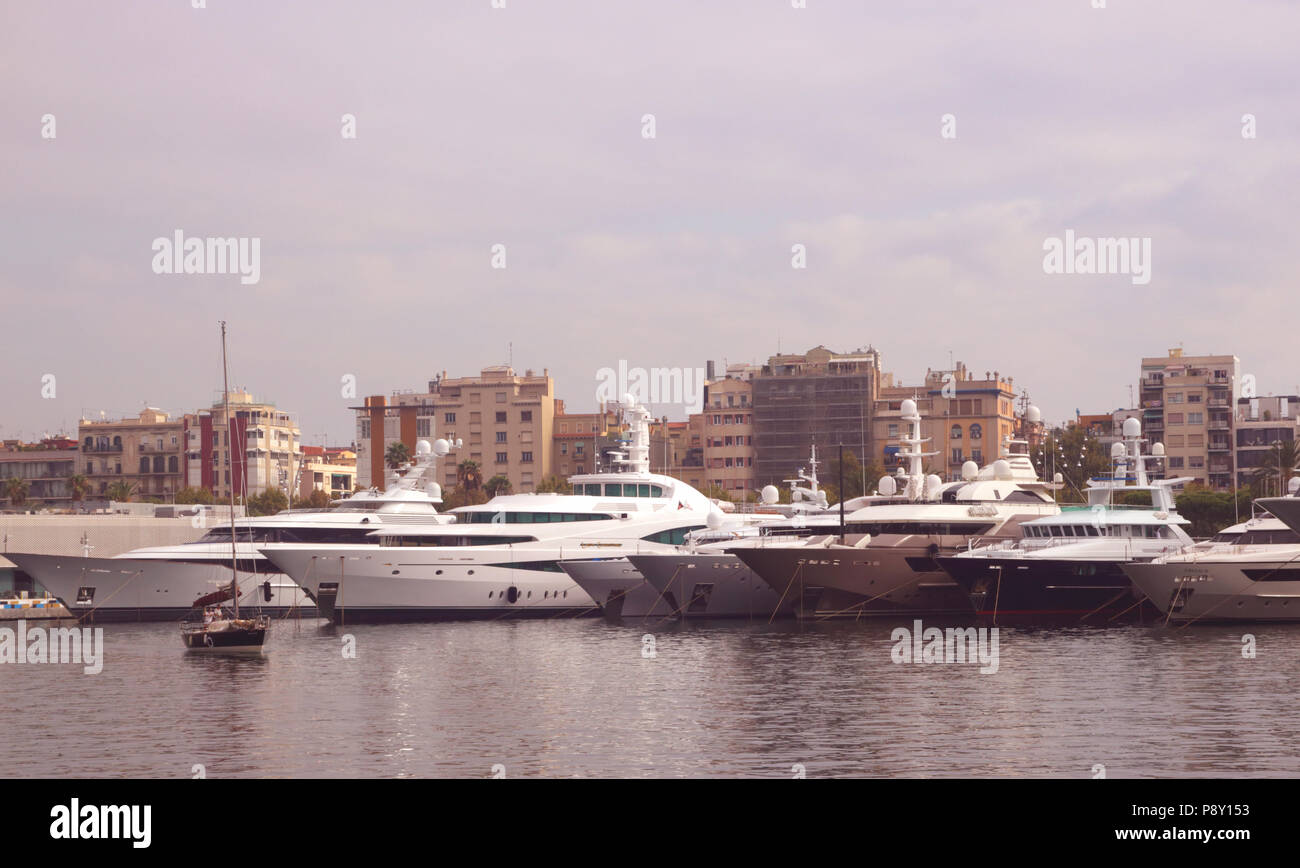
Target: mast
x=230, y=455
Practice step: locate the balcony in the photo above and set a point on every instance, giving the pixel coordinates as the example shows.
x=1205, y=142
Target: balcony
x=1219, y=424
x=1220, y=446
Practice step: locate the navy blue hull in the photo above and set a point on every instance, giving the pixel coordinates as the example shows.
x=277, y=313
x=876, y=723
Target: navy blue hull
x=1034, y=591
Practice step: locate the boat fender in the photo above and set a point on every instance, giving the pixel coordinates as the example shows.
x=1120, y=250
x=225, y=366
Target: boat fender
x=512, y=594
x=207, y=640
x=933, y=550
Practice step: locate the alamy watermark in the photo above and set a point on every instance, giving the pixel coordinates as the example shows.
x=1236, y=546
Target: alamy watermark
x=680, y=386
x=212, y=255
x=1070, y=255
x=924, y=644
x=83, y=645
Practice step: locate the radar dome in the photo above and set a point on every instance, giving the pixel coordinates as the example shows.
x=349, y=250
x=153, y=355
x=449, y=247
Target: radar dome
x=969, y=471
x=1033, y=414
x=440, y=447
x=434, y=490
x=887, y=486
x=1117, y=450
x=1132, y=427
x=933, y=485
x=629, y=400
x=1001, y=469
x=770, y=494
x=715, y=518
x=1057, y=478
x=422, y=447
x=909, y=407
x=900, y=472
x=1158, y=450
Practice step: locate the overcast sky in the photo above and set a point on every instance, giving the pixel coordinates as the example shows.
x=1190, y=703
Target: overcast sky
x=522, y=126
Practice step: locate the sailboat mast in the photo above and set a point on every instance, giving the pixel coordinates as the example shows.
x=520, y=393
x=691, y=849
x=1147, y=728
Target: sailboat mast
x=230, y=458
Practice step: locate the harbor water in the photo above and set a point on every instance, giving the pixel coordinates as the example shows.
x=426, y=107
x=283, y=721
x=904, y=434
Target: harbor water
x=587, y=699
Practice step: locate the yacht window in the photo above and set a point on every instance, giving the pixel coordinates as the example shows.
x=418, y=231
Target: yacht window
x=593, y=489
x=613, y=489
x=643, y=490
x=455, y=540
x=676, y=536
x=577, y=489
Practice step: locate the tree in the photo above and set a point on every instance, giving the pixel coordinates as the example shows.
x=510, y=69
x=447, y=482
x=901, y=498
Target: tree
x=1075, y=454
x=498, y=484
x=269, y=502
x=396, y=455
x=1278, y=463
x=121, y=491
x=78, y=488
x=16, y=490
x=318, y=499
x=458, y=496
x=859, y=479
x=717, y=492
x=469, y=476
x=191, y=495
x=553, y=484
x=1211, y=511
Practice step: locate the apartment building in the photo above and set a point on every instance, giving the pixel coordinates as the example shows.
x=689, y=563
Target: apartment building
x=145, y=451
x=267, y=451
x=966, y=418
x=506, y=421
x=45, y=467
x=727, y=429
x=1259, y=424
x=580, y=441
x=820, y=397
x=333, y=471
x=1188, y=404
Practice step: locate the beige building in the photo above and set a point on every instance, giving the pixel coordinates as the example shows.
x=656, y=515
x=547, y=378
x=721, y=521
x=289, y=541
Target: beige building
x=579, y=439
x=727, y=430
x=331, y=471
x=1259, y=424
x=1188, y=404
x=966, y=418
x=146, y=452
x=267, y=453
x=505, y=420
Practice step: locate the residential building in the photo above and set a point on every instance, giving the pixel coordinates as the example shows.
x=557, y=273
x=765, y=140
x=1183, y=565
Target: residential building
x=728, y=433
x=331, y=471
x=267, y=448
x=818, y=397
x=146, y=452
x=1259, y=423
x=580, y=441
x=505, y=420
x=45, y=467
x=1187, y=403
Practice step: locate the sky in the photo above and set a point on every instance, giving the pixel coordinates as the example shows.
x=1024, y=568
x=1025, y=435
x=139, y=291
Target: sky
x=525, y=126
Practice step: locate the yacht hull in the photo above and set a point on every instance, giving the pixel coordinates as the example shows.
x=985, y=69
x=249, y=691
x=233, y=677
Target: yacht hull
x=1202, y=591
x=1031, y=591
x=379, y=587
x=894, y=577
x=712, y=586
x=106, y=590
x=621, y=591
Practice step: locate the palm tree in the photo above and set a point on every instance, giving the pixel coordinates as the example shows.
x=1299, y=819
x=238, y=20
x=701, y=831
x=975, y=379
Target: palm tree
x=497, y=485
x=16, y=490
x=1280, y=462
x=396, y=455
x=468, y=475
x=121, y=491
x=78, y=487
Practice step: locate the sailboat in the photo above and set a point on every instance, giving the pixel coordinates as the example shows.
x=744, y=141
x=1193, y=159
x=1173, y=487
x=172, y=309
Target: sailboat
x=210, y=626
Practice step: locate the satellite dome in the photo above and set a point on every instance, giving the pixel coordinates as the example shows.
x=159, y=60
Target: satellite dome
x=1057, y=478
x=969, y=471
x=629, y=400
x=887, y=486
x=933, y=485
x=440, y=447
x=422, y=447
x=1033, y=414
x=1158, y=450
x=1132, y=427
x=715, y=518
x=1001, y=469
x=1117, y=450
x=909, y=407
x=770, y=494
x=900, y=472
x=434, y=490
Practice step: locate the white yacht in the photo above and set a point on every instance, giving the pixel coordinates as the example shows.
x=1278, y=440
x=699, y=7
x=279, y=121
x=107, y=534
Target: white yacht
x=1247, y=572
x=1068, y=568
x=883, y=560
x=161, y=583
x=505, y=558
x=703, y=579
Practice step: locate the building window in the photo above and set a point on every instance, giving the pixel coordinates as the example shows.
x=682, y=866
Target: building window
x=976, y=432
x=1175, y=419
x=502, y=458
x=1195, y=418
x=525, y=415
x=501, y=397
x=501, y=437
x=955, y=433
x=144, y=465
x=893, y=430
x=449, y=418
x=501, y=417
x=564, y=448
x=956, y=455
x=173, y=465
x=526, y=458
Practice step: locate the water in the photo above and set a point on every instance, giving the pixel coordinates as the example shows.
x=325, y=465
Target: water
x=578, y=699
